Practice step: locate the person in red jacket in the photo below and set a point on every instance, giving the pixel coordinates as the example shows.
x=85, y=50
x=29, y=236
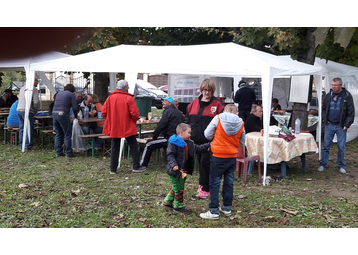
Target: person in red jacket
x=199, y=114
x=121, y=114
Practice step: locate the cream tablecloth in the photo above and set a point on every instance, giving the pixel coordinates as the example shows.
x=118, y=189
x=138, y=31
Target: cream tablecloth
x=278, y=149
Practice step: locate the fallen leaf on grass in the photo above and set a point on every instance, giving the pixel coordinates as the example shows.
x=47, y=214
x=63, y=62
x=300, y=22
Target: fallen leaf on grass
x=75, y=192
x=23, y=185
x=289, y=211
x=36, y=204
x=283, y=222
x=242, y=196
x=142, y=219
x=309, y=179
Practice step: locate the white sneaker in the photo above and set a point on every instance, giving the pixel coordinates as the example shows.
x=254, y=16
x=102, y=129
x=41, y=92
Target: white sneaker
x=209, y=216
x=342, y=171
x=226, y=213
x=320, y=168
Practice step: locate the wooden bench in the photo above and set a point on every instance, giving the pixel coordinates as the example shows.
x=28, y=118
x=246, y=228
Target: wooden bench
x=11, y=129
x=106, y=150
x=49, y=133
x=89, y=140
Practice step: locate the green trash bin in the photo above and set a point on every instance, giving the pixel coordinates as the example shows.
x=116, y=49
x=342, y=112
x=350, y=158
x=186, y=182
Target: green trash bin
x=144, y=104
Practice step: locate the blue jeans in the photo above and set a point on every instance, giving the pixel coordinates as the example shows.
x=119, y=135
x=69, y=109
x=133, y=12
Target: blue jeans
x=221, y=167
x=63, y=128
x=29, y=141
x=329, y=132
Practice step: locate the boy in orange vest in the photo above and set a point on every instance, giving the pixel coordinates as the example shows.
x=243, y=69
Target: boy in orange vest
x=227, y=133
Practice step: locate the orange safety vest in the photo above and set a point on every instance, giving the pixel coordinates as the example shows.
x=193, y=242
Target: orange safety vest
x=223, y=145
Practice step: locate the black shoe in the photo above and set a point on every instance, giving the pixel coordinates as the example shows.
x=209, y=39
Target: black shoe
x=139, y=170
x=71, y=156
x=181, y=210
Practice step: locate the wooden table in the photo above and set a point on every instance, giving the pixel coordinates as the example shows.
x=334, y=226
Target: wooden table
x=280, y=151
x=5, y=109
x=147, y=122
x=86, y=122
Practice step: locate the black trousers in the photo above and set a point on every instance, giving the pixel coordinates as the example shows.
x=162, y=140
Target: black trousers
x=204, y=170
x=150, y=147
x=115, y=146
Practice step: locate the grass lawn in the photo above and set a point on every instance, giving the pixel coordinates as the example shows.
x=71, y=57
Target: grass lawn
x=38, y=190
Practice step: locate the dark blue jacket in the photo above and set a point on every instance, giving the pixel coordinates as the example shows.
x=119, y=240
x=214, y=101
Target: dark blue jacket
x=347, y=108
x=176, y=155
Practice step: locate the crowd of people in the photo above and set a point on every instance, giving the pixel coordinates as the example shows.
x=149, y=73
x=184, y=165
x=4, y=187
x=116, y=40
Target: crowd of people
x=210, y=129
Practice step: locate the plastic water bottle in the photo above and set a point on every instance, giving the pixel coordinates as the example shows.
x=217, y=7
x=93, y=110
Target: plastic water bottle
x=297, y=126
x=86, y=113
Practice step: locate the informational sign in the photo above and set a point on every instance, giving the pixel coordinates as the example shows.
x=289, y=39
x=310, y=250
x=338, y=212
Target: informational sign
x=299, y=90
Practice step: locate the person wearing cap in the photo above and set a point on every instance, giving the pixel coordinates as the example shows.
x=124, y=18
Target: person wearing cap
x=121, y=114
x=245, y=97
x=171, y=118
x=9, y=98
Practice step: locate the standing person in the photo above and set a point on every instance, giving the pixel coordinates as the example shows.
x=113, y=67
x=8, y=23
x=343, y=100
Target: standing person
x=245, y=97
x=34, y=106
x=9, y=98
x=171, y=118
x=338, y=115
x=199, y=114
x=228, y=134
x=180, y=162
x=121, y=114
x=64, y=101
x=254, y=121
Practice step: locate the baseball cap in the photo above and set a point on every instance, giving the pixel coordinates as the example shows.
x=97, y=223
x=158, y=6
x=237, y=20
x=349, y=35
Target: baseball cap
x=242, y=83
x=170, y=99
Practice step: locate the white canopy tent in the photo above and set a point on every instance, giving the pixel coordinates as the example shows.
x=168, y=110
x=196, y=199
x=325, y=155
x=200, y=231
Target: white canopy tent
x=349, y=76
x=223, y=59
x=25, y=64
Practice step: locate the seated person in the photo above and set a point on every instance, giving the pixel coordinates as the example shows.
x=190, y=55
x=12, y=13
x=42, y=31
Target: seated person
x=91, y=128
x=9, y=97
x=254, y=121
x=13, y=118
x=171, y=118
x=275, y=106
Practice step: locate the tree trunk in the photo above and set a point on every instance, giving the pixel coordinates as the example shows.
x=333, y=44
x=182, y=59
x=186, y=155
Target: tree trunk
x=101, y=83
x=300, y=110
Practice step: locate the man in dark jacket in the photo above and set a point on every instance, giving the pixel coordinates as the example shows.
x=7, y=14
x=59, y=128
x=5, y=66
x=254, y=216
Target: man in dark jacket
x=166, y=127
x=9, y=97
x=338, y=115
x=245, y=97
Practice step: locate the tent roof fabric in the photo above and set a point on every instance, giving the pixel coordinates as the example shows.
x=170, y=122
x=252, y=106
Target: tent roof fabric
x=224, y=59
x=21, y=63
